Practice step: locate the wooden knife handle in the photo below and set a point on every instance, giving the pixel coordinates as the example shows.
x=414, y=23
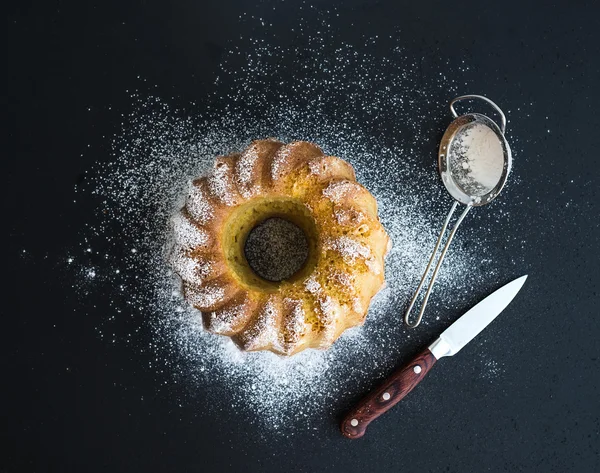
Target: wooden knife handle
x=383, y=398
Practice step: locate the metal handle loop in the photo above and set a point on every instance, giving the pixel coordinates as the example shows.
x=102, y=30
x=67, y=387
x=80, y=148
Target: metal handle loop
x=485, y=99
x=437, y=267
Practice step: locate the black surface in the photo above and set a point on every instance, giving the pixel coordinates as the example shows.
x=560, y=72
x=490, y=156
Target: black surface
x=71, y=402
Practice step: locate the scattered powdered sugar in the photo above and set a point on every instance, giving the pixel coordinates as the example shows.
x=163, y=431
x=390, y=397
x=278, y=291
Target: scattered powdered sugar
x=198, y=205
x=328, y=307
x=244, y=167
x=220, y=185
x=338, y=190
x=295, y=324
x=188, y=269
x=312, y=286
x=339, y=277
x=346, y=216
x=315, y=167
x=383, y=115
x=279, y=161
x=264, y=331
x=206, y=295
x=187, y=234
x=349, y=248
x=223, y=320
x=492, y=369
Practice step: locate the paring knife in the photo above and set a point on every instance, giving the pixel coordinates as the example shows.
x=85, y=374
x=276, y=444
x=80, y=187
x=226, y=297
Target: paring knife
x=450, y=342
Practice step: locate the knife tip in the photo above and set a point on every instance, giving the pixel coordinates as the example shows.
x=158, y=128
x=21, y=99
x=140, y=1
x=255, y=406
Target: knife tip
x=521, y=280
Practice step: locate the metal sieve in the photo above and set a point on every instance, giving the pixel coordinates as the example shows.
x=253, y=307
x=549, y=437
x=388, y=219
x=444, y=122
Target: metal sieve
x=469, y=141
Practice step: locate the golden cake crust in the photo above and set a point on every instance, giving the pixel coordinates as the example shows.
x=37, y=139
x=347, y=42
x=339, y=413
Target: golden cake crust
x=320, y=194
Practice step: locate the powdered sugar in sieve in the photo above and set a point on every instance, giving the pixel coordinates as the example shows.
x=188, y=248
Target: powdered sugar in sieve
x=474, y=162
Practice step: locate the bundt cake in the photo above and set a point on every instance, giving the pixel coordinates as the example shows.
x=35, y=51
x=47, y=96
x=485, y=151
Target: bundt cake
x=296, y=182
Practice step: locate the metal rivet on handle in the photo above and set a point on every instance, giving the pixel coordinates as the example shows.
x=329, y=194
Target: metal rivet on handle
x=417, y=369
x=354, y=422
x=386, y=396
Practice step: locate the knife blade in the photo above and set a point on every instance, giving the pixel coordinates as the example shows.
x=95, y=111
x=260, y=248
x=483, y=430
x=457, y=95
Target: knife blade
x=449, y=343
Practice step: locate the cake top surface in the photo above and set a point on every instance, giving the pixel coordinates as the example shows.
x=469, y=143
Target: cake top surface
x=268, y=308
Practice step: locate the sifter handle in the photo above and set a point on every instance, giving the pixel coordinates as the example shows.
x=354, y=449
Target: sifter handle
x=485, y=99
x=437, y=266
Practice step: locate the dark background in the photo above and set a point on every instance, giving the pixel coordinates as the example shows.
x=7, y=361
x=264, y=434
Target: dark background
x=72, y=403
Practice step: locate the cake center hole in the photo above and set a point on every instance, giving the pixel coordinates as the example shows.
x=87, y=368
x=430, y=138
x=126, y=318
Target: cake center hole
x=276, y=249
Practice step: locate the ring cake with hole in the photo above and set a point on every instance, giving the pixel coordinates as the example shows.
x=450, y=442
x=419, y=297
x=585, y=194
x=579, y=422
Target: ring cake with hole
x=344, y=267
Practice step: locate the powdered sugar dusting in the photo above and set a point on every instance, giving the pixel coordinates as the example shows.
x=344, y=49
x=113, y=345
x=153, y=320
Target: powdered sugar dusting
x=220, y=183
x=339, y=277
x=205, y=296
x=477, y=159
x=198, y=205
x=327, y=308
x=279, y=161
x=348, y=247
x=386, y=125
x=357, y=305
x=351, y=250
x=315, y=167
x=224, y=320
x=265, y=331
x=294, y=324
x=189, y=269
x=188, y=235
x=346, y=216
x=244, y=169
x=312, y=286
x=337, y=191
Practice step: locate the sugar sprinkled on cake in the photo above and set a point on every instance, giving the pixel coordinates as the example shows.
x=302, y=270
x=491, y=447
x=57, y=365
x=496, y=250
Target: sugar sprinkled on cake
x=265, y=331
x=294, y=323
x=206, y=295
x=187, y=268
x=244, y=168
x=188, y=234
x=198, y=205
x=345, y=216
x=219, y=182
x=339, y=190
x=223, y=320
x=159, y=153
x=279, y=161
